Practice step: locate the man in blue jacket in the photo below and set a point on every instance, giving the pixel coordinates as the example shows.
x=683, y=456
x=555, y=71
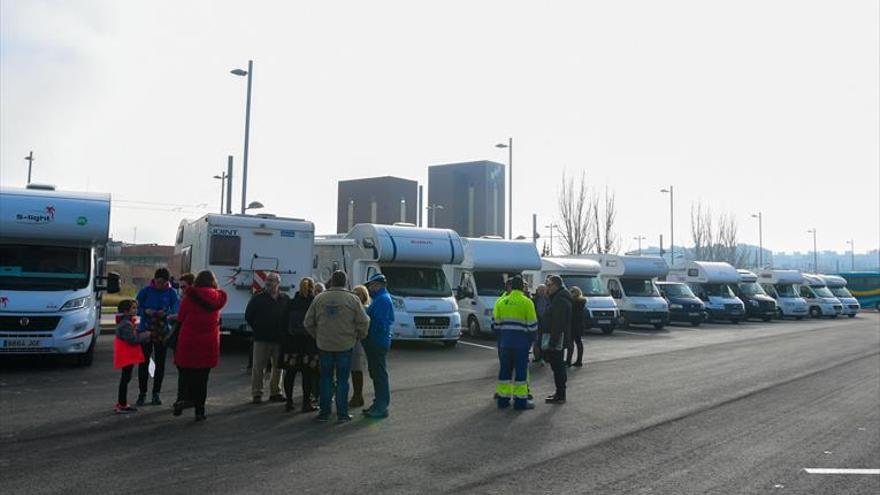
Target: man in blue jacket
x=377, y=344
x=156, y=302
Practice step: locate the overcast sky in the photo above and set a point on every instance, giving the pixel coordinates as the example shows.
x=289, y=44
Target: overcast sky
x=747, y=106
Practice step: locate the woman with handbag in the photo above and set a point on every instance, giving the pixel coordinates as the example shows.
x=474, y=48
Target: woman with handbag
x=198, y=341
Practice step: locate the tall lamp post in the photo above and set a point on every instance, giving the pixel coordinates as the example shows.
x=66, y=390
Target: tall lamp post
x=247, y=130
x=640, y=239
x=552, y=226
x=852, y=254
x=433, y=209
x=222, y=178
x=509, y=147
x=815, y=251
x=760, y=218
x=30, y=160
x=671, y=192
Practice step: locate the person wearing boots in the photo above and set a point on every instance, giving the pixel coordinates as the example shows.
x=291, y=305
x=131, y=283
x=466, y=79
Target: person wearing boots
x=299, y=353
x=578, y=308
x=557, y=324
x=359, y=357
x=516, y=322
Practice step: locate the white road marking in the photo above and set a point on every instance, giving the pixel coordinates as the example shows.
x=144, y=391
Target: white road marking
x=841, y=471
x=481, y=346
x=638, y=334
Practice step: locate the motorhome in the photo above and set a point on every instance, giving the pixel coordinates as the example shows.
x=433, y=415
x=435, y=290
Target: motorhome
x=819, y=298
x=758, y=303
x=630, y=281
x=837, y=285
x=711, y=281
x=52, y=248
x=782, y=285
x=241, y=250
x=602, y=312
x=412, y=260
x=480, y=277
x=684, y=306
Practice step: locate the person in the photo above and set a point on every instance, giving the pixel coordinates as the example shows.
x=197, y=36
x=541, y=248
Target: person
x=337, y=320
x=156, y=302
x=299, y=353
x=319, y=288
x=378, y=343
x=184, y=282
x=541, y=304
x=359, y=358
x=127, y=350
x=198, y=345
x=517, y=322
x=557, y=323
x=265, y=315
x=578, y=308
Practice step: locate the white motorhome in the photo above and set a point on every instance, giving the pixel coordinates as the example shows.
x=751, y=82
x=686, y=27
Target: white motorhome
x=412, y=260
x=583, y=273
x=713, y=283
x=52, y=263
x=837, y=285
x=241, y=250
x=782, y=285
x=819, y=298
x=630, y=281
x=480, y=277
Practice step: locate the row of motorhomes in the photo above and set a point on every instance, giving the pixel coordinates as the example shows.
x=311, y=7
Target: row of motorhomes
x=52, y=275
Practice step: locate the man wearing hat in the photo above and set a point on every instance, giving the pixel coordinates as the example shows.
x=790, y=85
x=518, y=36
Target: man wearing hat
x=377, y=344
x=517, y=323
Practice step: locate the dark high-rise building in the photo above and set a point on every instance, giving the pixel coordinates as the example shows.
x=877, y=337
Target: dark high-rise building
x=467, y=197
x=383, y=200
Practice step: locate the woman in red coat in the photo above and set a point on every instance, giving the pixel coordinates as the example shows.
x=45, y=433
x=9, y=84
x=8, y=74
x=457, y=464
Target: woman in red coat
x=198, y=344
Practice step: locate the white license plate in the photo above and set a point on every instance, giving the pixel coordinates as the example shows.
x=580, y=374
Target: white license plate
x=656, y=321
x=604, y=322
x=433, y=333
x=22, y=344
x=694, y=314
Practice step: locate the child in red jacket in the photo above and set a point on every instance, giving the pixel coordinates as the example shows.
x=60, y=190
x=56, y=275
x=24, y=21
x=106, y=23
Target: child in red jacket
x=127, y=350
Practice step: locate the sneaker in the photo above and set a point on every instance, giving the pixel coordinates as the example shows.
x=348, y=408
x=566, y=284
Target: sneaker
x=142, y=399
x=356, y=402
x=554, y=400
x=528, y=405
x=307, y=408
x=200, y=417
x=257, y=400
x=578, y=364
x=344, y=419
x=156, y=400
x=322, y=418
x=276, y=398
x=124, y=409
x=180, y=405
x=376, y=415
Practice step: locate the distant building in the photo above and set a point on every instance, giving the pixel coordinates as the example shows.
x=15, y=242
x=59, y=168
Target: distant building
x=136, y=263
x=383, y=200
x=467, y=197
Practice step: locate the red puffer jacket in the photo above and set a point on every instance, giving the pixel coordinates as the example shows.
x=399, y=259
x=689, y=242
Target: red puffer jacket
x=198, y=345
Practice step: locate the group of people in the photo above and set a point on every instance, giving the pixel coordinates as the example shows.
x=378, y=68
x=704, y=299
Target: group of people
x=327, y=336
x=551, y=322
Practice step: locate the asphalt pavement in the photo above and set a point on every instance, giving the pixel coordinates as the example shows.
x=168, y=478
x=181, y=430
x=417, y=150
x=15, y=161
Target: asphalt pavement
x=717, y=409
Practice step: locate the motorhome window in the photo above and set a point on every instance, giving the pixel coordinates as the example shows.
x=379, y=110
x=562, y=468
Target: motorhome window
x=407, y=281
x=840, y=292
x=693, y=272
x=186, y=260
x=590, y=286
x=752, y=289
x=822, y=292
x=677, y=290
x=490, y=283
x=179, y=235
x=32, y=267
x=639, y=287
x=719, y=290
x=225, y=250
x=787, y=290
x=806, y=293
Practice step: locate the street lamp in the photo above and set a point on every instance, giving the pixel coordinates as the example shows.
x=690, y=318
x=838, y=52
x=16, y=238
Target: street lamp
x=247, y=129
x=254, y=205
x=640, y=239
x=852, y=254
x=433, y=209
x=30, y=160
x=509, y=147
x=760, y=218
x=815, y=252
x=222, y=178
x=551, y=227
x=671, y=226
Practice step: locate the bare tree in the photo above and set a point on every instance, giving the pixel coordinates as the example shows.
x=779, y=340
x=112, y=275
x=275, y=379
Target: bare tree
x=574, y=211
x=716, y=239
x=604, y=210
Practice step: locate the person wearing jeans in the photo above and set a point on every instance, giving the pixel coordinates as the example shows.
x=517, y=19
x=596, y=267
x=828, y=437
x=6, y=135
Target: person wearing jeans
x=377, y=344
x=337, y=320
x=156, y=302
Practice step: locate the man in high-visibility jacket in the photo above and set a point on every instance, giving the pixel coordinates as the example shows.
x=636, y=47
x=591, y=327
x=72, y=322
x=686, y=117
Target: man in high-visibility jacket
x=516, y=321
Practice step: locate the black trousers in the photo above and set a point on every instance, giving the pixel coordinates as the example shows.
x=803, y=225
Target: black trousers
x=302, y=363
x=158, y=352
x=194, y=382
x=560, y=376
x=576, y=343
x=122, y=397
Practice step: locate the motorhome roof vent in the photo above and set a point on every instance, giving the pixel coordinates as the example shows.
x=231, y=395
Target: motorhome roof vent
x=265, y=215
x=41, y=187
x=491, y=237
x=404, y=224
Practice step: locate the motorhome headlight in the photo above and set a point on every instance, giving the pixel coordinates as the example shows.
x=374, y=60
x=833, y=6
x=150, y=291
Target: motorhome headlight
x=398, y=304
x=78, y=303
x=675, y=306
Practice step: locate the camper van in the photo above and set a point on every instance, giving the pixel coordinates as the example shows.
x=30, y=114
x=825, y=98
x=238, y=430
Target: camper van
x=758, y=303
x=412, y=260
x=583, y=273
x=480, y=277
x=241, y=250
x=52, y=262
x=712, y=282
x=819, y=298
x=684, y=306
x=837, y=285
x=630, y=281
x=782, y=285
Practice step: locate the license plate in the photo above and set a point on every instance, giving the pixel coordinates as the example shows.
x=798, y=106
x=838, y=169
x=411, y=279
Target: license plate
x=736, y=312
x=22, y=344
x=604, y=322
x=693, y=314
x=433, y=333
x=656, y=321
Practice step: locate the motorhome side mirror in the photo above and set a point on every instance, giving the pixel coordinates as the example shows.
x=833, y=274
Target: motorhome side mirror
x=460, y=293
x=112, y=286
x=615, y=293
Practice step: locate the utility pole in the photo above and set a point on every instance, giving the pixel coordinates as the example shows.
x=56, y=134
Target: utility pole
x=852, y=254
x=760, y=218
x=509, y=147
x=815, y=251
x=247, y=131
x=30, y=160
x=534, y=229
x=229, y=185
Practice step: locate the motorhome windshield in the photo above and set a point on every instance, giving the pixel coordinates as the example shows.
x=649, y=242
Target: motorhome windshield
x=639, y=287
x=677, y=290
x=719, y=290
x=32, y=267
x=490, y=283
x=752, y=289
x=786, y=290
x=822, y=291
x=411, y=281
x=840, y=292
x=590, y=286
